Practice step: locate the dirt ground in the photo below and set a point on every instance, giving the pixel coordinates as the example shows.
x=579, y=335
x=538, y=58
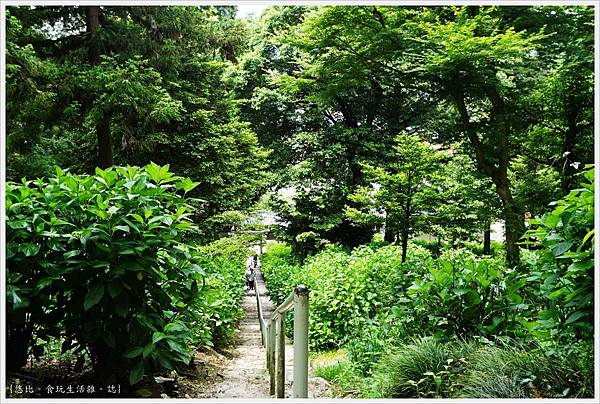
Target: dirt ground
x=245, y=374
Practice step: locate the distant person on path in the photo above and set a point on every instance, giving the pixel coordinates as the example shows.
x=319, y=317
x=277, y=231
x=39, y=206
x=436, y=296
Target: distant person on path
x=250, y=278
x=253, y=262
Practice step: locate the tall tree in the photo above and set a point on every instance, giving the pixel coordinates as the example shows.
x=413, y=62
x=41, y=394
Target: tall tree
x=92, y=23
x=402, y=193
x=129, y=85
x=469, y=60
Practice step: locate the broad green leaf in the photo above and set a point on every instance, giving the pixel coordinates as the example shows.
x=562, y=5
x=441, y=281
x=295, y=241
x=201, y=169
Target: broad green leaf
x=148, y=349
x=133, y=352
x=137, y=373
x=574, y=317
x=93, y=296
x=29, y=249
x=560, y=248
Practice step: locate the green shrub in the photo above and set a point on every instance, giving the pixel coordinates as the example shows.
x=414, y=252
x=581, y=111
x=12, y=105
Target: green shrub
x=372, y=340
x=346, y=290
x=496, y=248
x=461, y=294
x=222, y=293
x=563, y=271
x=424, y=368
x=482, y=369
x=102, y=262
x=234, y=248
x=337, y=369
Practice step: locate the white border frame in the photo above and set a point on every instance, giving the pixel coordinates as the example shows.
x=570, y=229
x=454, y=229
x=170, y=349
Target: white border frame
x=5, y=3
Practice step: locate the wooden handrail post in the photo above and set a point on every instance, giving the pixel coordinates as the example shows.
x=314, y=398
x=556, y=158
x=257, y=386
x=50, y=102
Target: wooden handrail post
x=300, y=342
x=280, y=362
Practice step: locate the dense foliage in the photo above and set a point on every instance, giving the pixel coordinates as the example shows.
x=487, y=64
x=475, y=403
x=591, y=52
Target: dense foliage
x=382, y=146
x=370, y=301
x=102, y=262
x=565, y=269
x=467, y=79
x=92, y=86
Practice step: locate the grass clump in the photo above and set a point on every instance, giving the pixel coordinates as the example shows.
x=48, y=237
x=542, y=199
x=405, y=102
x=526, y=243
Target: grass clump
x=423, y=368
x=429, y=368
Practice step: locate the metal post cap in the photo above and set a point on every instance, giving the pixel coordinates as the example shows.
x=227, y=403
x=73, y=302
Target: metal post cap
x=301, y=290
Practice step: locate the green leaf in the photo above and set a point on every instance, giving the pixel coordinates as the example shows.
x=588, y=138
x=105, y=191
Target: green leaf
x=575, y=316
x=93, y=296
x=587, y=236
x=137, y=217
x=581, y=266
x=165, y=362
x=157, y=336
x=559, y=248
x=17, y=224
x=131, y=265
x=137, y=373
x=148, y=349
x=29, y=249
x=551, y=220
x=187, y=185
x=176, y=346
x=175, y=327
x=122, y=228
x=71, y=254
x=133, y=352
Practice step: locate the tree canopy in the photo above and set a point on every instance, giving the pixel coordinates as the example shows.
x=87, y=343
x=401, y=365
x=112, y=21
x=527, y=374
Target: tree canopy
x=313, y=100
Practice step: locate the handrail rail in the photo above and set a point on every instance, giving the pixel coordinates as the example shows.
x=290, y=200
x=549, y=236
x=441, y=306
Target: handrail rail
x=273, y=339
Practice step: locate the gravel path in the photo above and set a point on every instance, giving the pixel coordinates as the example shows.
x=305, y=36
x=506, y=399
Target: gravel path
x=246, y=376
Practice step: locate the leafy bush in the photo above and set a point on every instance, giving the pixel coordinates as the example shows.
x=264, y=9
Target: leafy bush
x=564, y=270
x=346, y=289
x=435, y=248
x=353, y=295
x=224, y=288
x=101, y=261
x=480, y=369
x=460, y=294
x=496, y=248
x=279, y=269
x=337, y=369
x=372, y=340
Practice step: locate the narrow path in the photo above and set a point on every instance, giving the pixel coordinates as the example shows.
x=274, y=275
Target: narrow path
x=245, y=376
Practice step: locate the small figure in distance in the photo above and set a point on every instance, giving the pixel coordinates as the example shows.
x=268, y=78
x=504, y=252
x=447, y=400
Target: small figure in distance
x=250, y=278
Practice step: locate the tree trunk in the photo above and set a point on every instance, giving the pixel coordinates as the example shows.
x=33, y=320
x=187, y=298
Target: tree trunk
x=404, y=244
x=514, y=222
x=487, y=233
x=105, y=156
x=92, y=22
x=104, y=138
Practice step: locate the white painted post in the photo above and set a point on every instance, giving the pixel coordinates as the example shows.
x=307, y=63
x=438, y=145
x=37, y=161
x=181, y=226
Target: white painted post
x=300, y=342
